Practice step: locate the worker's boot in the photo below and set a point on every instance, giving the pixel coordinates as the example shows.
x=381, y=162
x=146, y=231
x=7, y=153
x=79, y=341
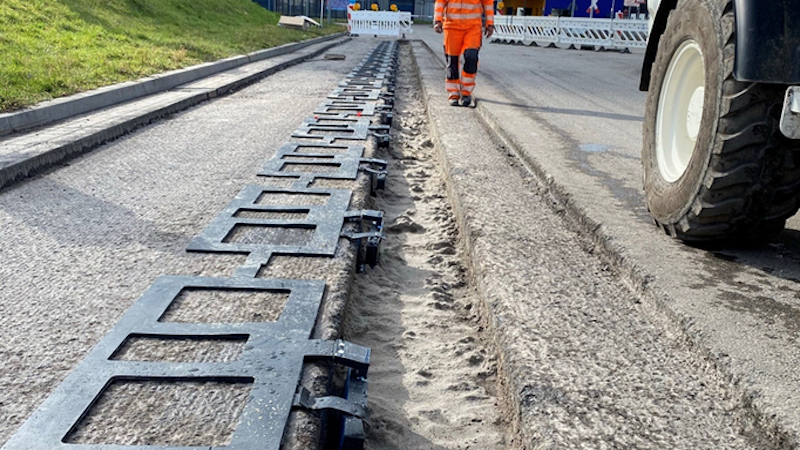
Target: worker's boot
x=453, y=100
x=466, y=100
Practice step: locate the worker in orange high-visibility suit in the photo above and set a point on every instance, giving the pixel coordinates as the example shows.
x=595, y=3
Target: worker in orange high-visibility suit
x=462, y=23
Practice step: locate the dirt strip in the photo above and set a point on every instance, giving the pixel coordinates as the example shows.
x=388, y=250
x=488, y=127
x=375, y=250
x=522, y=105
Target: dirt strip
x=433, y=377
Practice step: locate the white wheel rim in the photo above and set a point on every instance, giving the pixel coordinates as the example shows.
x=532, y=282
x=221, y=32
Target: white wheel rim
x=680, y=111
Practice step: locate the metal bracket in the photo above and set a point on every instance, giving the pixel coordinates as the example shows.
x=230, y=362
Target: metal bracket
x=368, y=237
x=377, y=173
x=340, y=352
x=352, y=427
x=350, y=410
x=388, y=99
x=385, y=128
x=790, y=117
x=304, y=399
x=382, y=139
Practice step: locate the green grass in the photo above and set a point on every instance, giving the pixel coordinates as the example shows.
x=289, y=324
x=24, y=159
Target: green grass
x=53, y=48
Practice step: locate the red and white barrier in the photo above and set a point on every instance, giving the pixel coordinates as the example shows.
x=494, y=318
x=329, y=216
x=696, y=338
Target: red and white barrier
x=379, y=23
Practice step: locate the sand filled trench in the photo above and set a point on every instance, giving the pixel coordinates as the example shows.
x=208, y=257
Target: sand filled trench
x=433, y=380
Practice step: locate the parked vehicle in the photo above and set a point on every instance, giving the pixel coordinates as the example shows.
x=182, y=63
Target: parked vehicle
x=721, y=149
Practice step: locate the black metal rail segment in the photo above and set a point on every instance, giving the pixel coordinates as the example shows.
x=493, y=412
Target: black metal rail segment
x=273, y=358
x=271, y=362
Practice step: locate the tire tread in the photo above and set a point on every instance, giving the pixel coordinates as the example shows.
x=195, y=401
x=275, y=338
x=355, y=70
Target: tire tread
x=753, y=183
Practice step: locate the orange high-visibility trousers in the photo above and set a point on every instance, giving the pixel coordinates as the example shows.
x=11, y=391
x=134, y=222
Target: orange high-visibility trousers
x=460, y=42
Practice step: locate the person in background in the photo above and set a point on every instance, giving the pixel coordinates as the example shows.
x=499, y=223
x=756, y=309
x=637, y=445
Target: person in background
x=462, y=22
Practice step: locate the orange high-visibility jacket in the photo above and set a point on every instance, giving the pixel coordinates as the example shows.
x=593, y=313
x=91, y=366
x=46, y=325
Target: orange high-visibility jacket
x=464, y=13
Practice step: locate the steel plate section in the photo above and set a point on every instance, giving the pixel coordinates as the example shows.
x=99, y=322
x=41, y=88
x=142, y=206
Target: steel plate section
x=346, y=162
x=350, y=108
x=368, y=83
x=325, y=221
x=363, y=77
x=314, y=129
x=354, y=92
x=272, y=361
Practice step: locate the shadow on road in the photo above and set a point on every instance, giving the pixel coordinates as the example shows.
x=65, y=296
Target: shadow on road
x=572, y=112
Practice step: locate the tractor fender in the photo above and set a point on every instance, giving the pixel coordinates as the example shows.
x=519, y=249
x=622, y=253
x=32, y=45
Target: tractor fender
x=767, y=41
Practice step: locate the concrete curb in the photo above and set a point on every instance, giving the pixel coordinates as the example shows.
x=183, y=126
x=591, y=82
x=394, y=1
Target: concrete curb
x=25, y=166
x=62, y=108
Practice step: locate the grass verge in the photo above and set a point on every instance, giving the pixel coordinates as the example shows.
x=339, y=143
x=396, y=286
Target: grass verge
x=53, y=48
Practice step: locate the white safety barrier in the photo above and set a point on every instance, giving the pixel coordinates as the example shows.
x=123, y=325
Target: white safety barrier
x=618, y=33
x=379, y=23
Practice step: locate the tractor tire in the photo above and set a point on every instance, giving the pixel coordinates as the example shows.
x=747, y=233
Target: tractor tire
x=716, y=166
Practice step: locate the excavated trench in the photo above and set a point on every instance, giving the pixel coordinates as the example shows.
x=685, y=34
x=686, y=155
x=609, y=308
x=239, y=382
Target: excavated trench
x=434, y=379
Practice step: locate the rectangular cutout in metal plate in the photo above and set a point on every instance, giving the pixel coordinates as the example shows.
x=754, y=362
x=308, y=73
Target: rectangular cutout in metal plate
x=324, y=215
x=271, y=361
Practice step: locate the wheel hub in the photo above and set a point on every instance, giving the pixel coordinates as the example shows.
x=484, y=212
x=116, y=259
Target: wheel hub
x=695, y=113
x=680, y=111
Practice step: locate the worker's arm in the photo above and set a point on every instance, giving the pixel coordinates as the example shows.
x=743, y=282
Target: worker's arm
x=488, y=11
x=438, y=15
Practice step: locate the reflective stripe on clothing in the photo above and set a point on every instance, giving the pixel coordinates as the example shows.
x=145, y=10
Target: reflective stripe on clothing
x=467, y=84
x=463, y=17
x=468, y=6
x=464, y=13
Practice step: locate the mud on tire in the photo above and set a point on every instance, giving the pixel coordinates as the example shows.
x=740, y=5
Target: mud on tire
x=743, y=177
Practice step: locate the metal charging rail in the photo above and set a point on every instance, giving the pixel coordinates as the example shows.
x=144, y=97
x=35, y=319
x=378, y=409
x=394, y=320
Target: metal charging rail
x=325, y=146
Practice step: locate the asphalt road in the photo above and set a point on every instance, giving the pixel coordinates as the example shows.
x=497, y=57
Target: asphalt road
x=575, y=117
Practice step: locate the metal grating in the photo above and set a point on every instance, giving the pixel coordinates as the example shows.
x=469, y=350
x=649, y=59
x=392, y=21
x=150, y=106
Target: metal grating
x=272, y=360
x=345, y=160
x=360, y=94
x=311, y=128
x=325, y=220
x=350, y=107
